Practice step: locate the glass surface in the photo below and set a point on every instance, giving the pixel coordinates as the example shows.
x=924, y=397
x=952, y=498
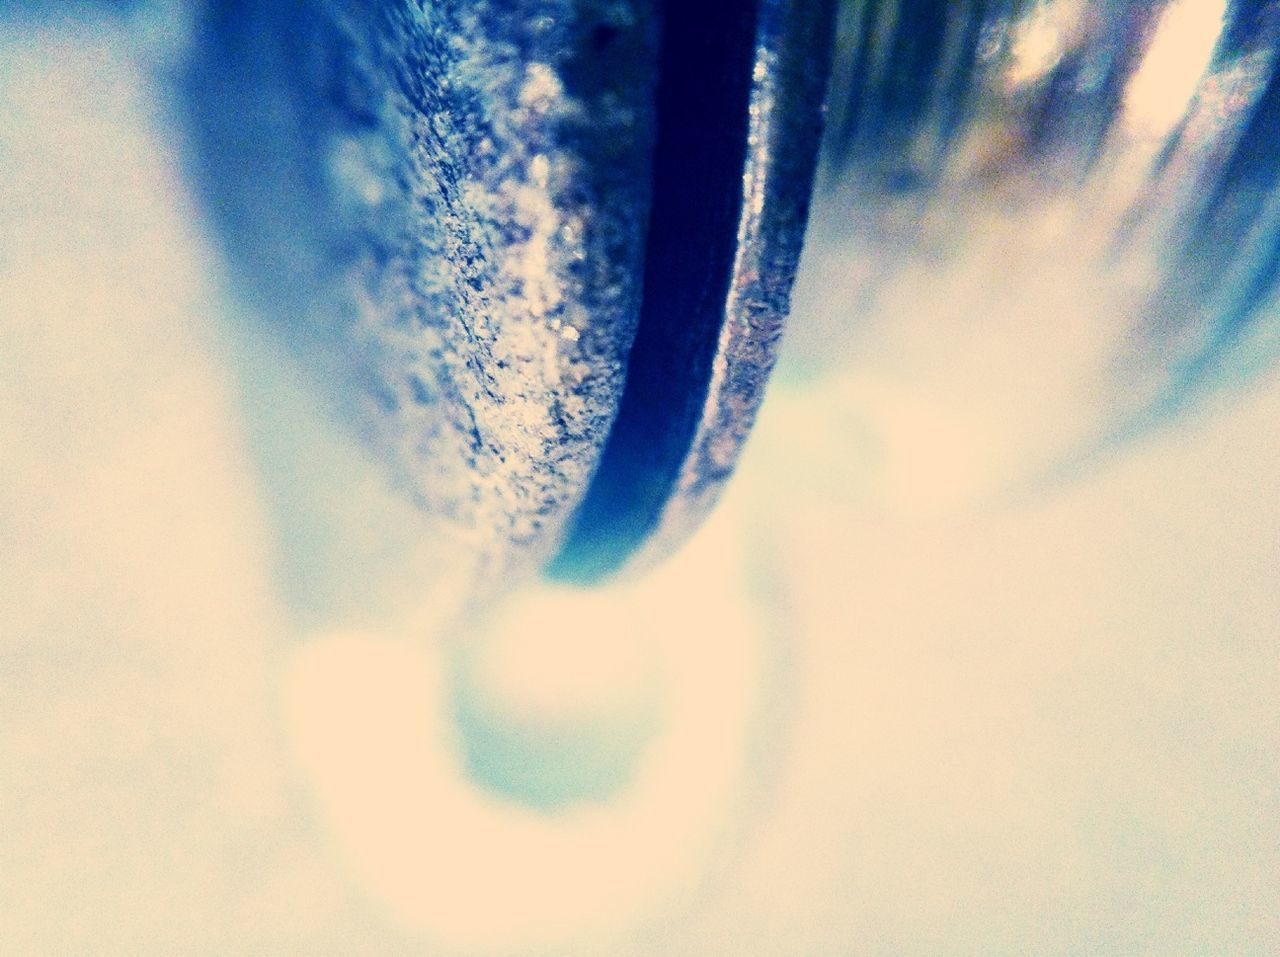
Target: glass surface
x=1043, y=228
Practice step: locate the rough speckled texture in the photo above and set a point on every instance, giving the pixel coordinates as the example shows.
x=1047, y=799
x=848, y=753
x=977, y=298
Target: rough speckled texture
x=730, y=204
x=440, y=208
x=789, y=80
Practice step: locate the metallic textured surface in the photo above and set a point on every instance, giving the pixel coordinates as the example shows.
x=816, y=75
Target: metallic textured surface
x=438, y=209
x=740, y=121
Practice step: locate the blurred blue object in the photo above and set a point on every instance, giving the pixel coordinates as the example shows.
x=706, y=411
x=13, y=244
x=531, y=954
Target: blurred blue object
x=1054, y=224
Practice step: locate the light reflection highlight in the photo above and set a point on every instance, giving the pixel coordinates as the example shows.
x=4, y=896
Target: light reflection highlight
x=585, y=846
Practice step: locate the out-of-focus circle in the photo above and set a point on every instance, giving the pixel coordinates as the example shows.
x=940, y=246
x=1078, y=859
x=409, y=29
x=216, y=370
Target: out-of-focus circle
x=492, y=802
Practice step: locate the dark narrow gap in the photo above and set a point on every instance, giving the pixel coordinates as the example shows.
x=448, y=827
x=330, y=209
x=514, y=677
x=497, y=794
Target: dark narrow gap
x=704, y=86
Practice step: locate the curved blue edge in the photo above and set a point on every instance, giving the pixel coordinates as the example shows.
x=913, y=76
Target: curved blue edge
x=704, y=87
x=698, y=257
x=272, y=84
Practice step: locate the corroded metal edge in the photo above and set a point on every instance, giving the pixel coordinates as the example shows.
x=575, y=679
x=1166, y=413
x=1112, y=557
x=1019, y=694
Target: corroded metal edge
x=671, y=453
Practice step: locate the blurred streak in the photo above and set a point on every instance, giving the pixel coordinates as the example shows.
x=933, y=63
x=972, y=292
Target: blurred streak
x=1041, y=229
x=1174, y=64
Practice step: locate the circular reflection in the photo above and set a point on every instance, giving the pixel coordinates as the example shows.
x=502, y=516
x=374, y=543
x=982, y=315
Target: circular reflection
x=1040, y=227
x=561, y=775
x=556, y=699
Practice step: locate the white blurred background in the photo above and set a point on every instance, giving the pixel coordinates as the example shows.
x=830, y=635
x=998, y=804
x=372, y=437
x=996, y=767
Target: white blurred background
x=858, y=715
